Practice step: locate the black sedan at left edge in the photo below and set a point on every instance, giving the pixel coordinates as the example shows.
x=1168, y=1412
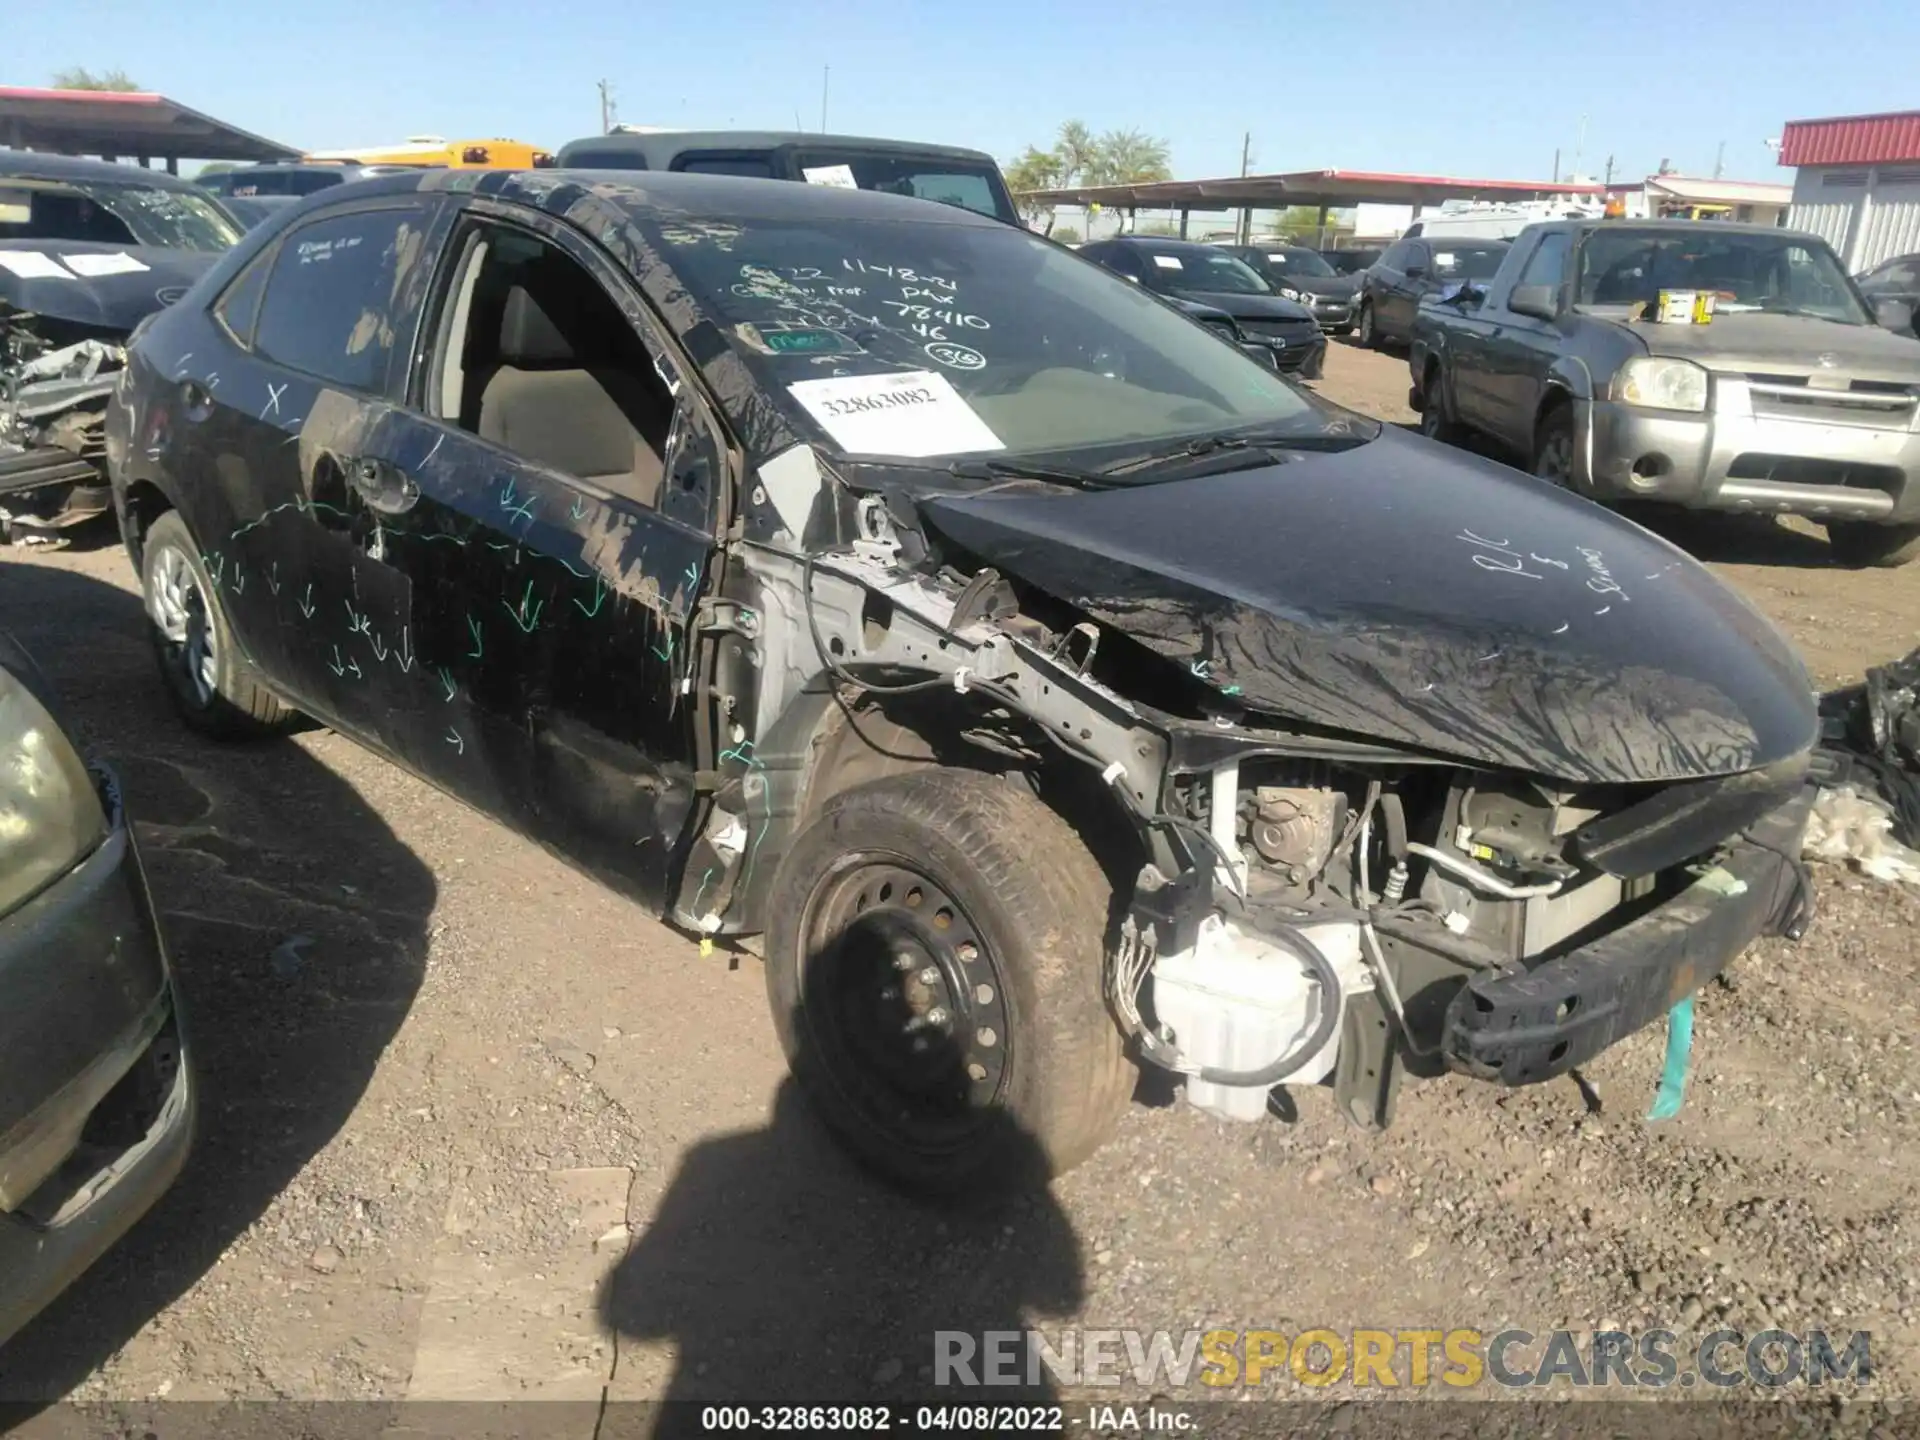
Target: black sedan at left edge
x=1184, y=270
x=88, y=250
x=1302, y=275
x=96, y=1092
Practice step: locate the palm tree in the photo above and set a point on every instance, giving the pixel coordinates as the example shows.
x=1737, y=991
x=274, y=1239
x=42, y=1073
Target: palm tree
x=1131, y=157
x=1079, y=153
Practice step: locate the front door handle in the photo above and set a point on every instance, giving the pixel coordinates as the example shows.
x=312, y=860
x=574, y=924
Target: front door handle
x=386, y=488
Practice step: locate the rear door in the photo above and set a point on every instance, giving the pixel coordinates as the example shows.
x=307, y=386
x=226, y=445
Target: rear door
x=554, y=496
x=1408, y=285
x=1381, y=278
x=278, y=430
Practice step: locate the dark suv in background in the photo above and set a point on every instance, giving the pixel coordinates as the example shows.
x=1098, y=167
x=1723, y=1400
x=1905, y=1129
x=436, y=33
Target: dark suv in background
x=1189, y=273
x=1301, y=275
x=1409, y=271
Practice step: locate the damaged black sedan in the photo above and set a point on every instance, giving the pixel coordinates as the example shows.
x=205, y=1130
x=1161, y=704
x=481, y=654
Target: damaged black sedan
x=1052, y=685
x=87, y=251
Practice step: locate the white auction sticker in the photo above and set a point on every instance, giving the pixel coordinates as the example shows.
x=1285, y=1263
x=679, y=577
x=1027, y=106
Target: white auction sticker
x=1167, y=262
x=909, y=413
x=33, y=265
x=116, y=263
x=840, y=176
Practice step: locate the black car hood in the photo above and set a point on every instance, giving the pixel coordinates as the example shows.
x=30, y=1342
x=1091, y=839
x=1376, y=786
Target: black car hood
x=1334, y=287
x=1419, y=595
x=1249, y=307
x=111, y=302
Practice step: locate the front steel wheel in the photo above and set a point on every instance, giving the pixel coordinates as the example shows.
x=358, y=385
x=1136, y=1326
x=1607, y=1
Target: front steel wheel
x=935, y=968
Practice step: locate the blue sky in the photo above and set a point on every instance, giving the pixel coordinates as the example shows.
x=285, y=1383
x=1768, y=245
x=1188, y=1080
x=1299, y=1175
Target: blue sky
x=1461, y=87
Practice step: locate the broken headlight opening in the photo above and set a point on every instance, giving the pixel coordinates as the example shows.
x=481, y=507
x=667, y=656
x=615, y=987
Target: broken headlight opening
x=54, y=389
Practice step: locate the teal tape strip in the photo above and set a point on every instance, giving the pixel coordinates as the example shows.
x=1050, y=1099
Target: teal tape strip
x=1672, y=1093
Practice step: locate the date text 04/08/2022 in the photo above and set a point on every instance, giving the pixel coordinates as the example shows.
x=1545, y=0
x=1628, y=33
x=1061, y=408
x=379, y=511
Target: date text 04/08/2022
x=940, y=1419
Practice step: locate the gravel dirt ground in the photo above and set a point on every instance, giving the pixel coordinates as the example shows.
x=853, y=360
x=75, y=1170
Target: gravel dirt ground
x=475, y=1128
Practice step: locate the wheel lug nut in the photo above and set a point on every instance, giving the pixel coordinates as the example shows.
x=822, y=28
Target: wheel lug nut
x=903, y=961
x=938, y=1015
x=930, y=975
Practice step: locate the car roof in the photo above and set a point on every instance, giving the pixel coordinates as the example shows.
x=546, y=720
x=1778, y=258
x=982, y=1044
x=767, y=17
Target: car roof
x=1680, y=227
x=672, y=142
x=660, y=195
x=37, y=165
x=1166, y=242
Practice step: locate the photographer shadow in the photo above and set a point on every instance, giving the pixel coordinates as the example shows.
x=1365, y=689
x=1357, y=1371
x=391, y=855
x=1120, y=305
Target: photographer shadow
x=774, y=1271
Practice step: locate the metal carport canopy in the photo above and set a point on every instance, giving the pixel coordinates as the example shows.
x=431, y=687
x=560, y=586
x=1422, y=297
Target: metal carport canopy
x=117, y=123
x=1330, y=188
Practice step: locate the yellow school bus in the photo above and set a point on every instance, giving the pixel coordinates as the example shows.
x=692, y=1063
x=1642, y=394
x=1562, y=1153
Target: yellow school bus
x=437, y=150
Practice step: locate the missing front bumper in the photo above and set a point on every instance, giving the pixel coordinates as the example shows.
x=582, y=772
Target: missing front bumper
x=1519, y=1028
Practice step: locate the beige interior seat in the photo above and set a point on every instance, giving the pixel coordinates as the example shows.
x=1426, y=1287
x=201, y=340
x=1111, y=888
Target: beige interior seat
x=586, y=420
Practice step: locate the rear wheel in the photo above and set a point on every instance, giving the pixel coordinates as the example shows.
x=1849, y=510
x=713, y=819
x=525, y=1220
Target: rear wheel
x=935, y=964
x=1367, y=334
x=1435, y=423
x=1867, y=546
x=212, y=687
x=1553, y=449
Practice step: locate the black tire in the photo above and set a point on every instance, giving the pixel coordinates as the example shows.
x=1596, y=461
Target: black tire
x=1030, y=1074
x=1555, y=458
x=1366, y=333
x=1435, y=423
x=1866, y=546
x=213, y=688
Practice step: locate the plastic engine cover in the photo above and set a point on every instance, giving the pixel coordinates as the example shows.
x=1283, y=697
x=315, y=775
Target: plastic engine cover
x=1239, y=1001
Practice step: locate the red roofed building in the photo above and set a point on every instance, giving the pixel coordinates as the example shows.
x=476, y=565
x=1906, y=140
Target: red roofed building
x=1858, y=185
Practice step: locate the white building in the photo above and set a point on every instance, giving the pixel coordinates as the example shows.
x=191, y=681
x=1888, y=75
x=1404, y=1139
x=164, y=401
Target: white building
x=1858, y=184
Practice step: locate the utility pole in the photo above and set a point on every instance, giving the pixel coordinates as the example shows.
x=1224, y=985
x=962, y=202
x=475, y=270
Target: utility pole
x=1719, y=159
x=825, y=72
x=1556, y=166
x=1580, y=147
x=1609, y=179
x=606, y=107
x=1246, y=211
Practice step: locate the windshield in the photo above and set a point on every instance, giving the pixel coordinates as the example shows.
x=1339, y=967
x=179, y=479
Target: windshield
x=1298, y=263
x=1455, y=261
x=1200, y=270
x=907, y=339
x=1745, y=271
x=951, y=182
x=113, y=214
x=1350, y=262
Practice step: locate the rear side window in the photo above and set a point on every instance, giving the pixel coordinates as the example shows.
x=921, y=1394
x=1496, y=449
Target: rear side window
x=239, y=306
x=749, y=167
x=328, y=309
x=306, y=182
x=606, y=160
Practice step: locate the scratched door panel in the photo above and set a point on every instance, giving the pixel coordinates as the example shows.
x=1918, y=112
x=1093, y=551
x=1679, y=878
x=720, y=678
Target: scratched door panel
x=550, y=635
x=301, y=559
x=213, y=454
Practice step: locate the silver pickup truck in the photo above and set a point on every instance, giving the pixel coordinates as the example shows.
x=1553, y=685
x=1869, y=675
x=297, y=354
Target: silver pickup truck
x=1793, y=398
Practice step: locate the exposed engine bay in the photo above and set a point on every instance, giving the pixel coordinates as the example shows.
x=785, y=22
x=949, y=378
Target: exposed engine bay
x=1312, y=908
x=55, y=380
